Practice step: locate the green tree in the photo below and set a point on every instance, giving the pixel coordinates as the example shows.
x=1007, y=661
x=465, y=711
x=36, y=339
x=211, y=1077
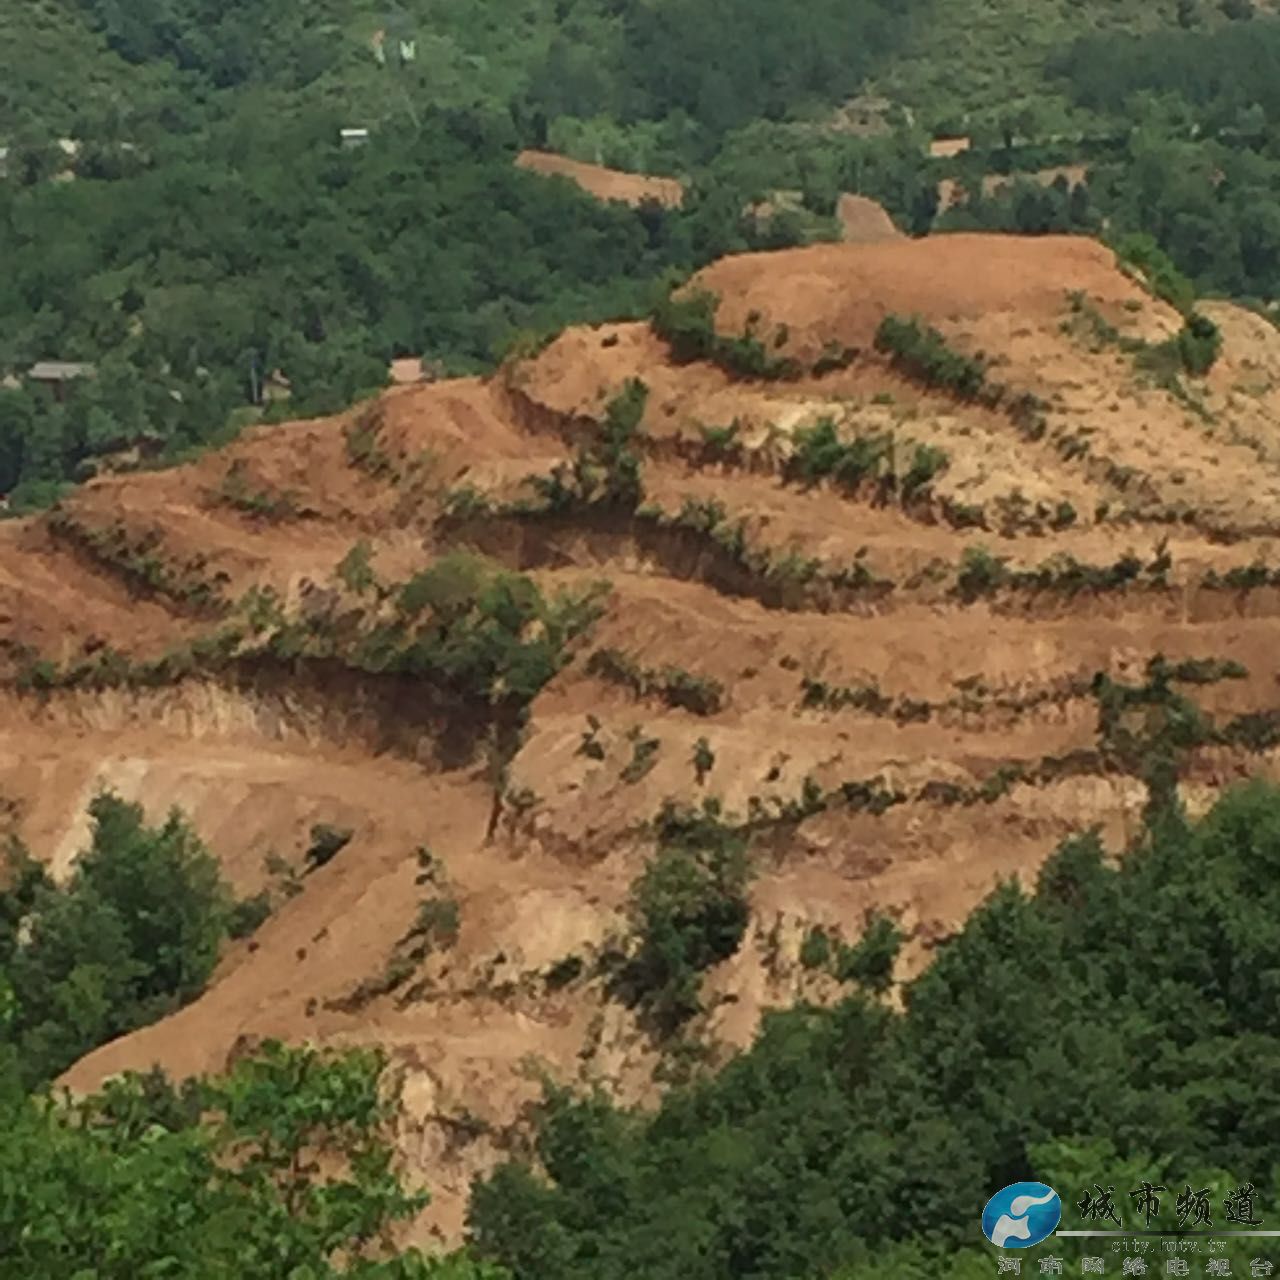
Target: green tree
x=133, y=934
x=870, y=961
x=795, y=1159
x=221, y=1177
x=689, y=911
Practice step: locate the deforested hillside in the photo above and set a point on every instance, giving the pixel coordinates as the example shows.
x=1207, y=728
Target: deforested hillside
x=565, y=721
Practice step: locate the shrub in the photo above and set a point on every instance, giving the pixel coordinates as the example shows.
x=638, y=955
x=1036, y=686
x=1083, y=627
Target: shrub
x=815, y=950
x=870, y=961
x=746, y=356
x=1253, y=730
x=430, y=868
x=1000, y=783
x=480, y=633
x=621, y=464
x=702, y=695
x=922, y=353
x=644, y=755
x=522, y=800
x=1201, y=670
x=438, y=923
x=793, y=568
x=812, y=800
x=276, y=1169
x=832, y=357
x=326, y=843
x=266, y=503
x=688, y=325
x=927, y=463
x=38, y=673
x=247, y=915
x=1193, y=350
x=1064, y=516
x=866, y=697
x=137, y=557
x=1028, y=414
x=818, y=451
x=524, y=344
x=870, y=796
x=355, y=569
x=466, y=502
x=565, y=970
x=980, y=573
x=721, y=444
x=1199, y=344
x=704, y=759
x=1155, y=268
x=363, y=443
x=604, y=470
x=590, y=746
x=675, y=686
x=689, y=912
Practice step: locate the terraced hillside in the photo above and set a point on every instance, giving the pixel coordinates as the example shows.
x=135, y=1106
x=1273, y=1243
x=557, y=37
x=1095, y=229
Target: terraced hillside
x=904, y=638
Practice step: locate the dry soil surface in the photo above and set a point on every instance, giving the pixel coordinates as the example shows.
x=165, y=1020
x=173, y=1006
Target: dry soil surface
x=965, y=688
x=603, y=183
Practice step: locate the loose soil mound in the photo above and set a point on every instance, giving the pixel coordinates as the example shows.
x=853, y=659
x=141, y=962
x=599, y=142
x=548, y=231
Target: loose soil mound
x=603, y=183
x=930, y=694
x=840, y=293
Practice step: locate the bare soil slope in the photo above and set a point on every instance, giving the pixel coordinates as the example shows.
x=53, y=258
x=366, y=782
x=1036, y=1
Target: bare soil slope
x=851, y=662
x=603, y=183
x=864, y=221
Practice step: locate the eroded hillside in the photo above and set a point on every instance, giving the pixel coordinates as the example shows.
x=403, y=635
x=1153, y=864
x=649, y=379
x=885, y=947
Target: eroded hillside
x=862, y=615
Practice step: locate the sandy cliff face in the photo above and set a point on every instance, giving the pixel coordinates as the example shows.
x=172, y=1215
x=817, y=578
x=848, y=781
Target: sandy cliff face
x=954, y=689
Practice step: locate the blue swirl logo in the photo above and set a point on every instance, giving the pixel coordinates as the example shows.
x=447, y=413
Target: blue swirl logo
x=1021, y=1215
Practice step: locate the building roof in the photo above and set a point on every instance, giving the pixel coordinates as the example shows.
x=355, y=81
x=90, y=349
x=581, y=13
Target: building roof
x=59, y=370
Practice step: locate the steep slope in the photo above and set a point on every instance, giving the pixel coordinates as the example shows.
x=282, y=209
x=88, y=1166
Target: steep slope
x=899, y=724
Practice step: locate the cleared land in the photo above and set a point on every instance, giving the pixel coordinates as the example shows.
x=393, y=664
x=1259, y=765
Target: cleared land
x=970, y=711
x=603, y=183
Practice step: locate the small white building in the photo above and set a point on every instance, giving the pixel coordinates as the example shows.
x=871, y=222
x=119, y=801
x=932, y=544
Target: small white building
x=354, y=137
x=55, y=374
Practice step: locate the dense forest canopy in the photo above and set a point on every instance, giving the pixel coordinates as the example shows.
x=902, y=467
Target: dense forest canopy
x=1220, y=75
x=217, y=1179
x=274, y=248
x=217, y=232
x=1095, y=1028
